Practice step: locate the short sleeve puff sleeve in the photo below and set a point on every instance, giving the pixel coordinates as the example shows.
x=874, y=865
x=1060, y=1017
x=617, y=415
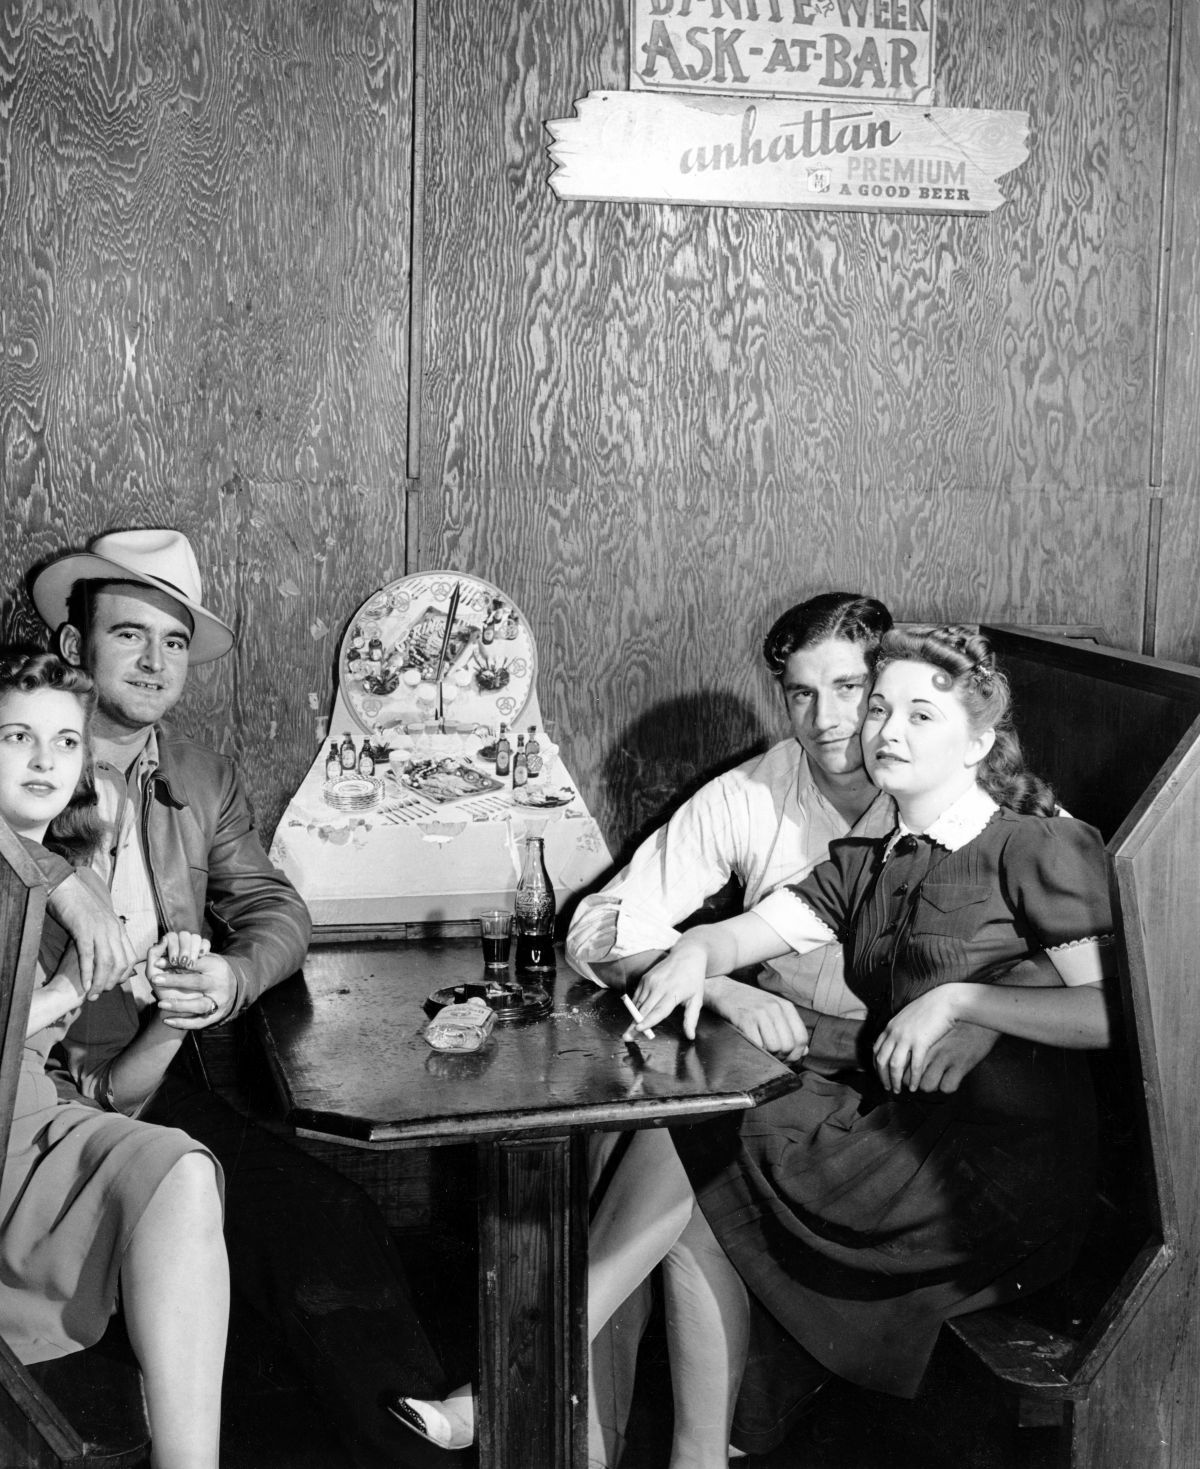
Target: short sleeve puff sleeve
x=817, y=910
x=1056, y=880
x=830, y=887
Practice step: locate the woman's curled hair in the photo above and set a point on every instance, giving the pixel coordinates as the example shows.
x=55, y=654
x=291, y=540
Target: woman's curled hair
x=966, y=659
x=76, y=831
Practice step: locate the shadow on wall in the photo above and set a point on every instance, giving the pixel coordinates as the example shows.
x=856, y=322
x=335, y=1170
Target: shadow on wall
x=671, y=750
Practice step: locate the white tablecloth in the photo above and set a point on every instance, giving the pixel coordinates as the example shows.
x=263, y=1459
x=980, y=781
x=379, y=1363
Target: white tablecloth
x=411, y=859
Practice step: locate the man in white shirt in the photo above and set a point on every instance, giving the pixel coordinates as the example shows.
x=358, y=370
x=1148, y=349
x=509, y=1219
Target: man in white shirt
x=765, y=823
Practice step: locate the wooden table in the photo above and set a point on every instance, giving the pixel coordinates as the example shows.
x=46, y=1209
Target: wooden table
x=344, y=1043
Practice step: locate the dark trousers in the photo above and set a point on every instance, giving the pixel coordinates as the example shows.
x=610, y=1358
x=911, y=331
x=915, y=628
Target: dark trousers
x=310, y=1255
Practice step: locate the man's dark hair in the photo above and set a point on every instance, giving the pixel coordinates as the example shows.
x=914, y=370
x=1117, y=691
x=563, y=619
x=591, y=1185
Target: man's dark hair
x=845, y=615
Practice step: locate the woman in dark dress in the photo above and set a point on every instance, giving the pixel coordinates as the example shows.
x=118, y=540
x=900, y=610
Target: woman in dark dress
x=860, y=1210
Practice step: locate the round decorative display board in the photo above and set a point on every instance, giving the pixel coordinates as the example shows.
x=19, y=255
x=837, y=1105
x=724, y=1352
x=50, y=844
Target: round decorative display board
x=437, y=645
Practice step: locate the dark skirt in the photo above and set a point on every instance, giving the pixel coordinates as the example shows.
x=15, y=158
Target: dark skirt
x=862, y=1221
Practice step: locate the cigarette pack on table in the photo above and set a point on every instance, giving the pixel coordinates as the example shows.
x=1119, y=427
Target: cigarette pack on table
x=461, y=1027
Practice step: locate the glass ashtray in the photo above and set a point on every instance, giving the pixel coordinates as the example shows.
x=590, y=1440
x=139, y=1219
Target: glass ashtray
x=354, y=792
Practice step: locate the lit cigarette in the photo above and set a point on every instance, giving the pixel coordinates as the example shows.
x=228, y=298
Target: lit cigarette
x=638, y=1018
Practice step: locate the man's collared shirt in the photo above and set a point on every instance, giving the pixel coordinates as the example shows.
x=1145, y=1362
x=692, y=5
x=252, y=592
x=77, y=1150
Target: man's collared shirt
x=122, y=862
x=106, y=1025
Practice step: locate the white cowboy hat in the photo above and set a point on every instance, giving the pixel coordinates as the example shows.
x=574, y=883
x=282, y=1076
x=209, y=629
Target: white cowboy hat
x=153, y=558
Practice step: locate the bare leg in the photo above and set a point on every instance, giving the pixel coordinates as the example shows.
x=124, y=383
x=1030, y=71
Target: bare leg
x=708, y=1334
x=612, y=1370
x=649, y=1216
x=175, y=1286
x=612, y=1363
x=646, y=1207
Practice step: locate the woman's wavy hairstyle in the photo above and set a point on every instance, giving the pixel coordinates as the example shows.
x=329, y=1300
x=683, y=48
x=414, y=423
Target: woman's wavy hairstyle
x=75, y=832
x=845, y=615
x=964, y=656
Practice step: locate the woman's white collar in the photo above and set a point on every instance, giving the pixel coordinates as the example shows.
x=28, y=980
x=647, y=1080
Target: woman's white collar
x=960, y=823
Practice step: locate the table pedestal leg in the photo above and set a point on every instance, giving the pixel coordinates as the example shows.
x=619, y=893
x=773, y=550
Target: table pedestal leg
x=533, y=1304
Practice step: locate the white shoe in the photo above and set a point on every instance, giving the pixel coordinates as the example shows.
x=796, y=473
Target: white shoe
x=431, y=1422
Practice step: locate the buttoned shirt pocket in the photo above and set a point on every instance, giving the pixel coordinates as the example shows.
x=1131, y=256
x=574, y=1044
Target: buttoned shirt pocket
x=952, y=910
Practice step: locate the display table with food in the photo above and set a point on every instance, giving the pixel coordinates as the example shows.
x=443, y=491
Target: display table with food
x=438, y=764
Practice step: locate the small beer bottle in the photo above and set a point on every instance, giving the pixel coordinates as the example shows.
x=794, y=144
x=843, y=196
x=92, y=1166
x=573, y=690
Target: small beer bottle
x=490, y=622
x=366, y=760
x=333, y=762
x=533, y=913
x=503, y=752
x=533, y=753
x=520, y=765
x=349, y=758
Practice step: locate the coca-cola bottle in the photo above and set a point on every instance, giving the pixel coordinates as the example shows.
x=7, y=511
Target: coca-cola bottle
x=534, y=910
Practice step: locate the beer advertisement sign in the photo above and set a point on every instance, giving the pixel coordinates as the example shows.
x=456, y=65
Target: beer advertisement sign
x=777, y=154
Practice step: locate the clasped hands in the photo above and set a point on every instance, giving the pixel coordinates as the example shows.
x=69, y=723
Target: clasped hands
x=192, y=986
x=924, y=1047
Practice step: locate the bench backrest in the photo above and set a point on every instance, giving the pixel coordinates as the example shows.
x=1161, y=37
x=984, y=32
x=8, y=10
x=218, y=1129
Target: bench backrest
x=1099, y=723
x=1119, y=736
x=35, y=1431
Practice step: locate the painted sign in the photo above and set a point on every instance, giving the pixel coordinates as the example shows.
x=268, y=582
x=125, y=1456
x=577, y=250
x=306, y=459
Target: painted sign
x=869, y=50
x=784, y=154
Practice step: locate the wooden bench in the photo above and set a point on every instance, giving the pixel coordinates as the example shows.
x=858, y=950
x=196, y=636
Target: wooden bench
x=85, y=1410
x=1117, y=1343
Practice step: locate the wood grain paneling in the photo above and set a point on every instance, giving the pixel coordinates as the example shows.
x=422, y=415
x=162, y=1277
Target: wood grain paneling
x=308, y=556
x=1145, y=1407
x=1178, y=605
x=203, y=292
x=654, y=424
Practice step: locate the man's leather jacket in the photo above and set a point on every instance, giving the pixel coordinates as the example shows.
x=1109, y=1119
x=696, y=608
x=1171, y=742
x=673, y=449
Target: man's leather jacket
x=207, y=864
x=209, y=871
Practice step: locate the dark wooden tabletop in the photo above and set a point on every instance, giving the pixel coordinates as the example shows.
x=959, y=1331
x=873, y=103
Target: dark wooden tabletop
x=345, y=1043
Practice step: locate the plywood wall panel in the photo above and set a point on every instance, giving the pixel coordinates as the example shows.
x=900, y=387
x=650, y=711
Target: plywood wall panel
x=651, y=422
x=678, y=651
x=204, y=220
x=1178, y=626
x=655, y=426
x=308, y=557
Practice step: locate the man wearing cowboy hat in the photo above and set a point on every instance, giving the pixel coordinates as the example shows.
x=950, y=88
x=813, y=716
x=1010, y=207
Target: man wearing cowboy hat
x=130, y=612
x=308, y=1251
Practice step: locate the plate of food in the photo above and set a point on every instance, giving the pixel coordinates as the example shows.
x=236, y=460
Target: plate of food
x=448, y=780
x=543, y=800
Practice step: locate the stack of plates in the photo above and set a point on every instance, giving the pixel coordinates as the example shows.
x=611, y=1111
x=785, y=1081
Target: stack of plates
x=354, y=792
